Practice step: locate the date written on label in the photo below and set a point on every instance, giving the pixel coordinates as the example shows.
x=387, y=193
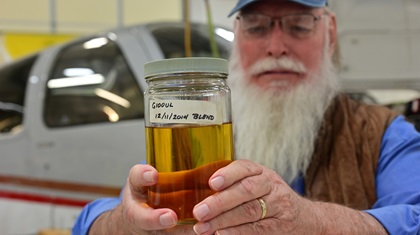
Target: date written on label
x=185, y=111
x=173, y=116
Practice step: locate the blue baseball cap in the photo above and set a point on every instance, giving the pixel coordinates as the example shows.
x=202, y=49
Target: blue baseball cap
x=310, y=3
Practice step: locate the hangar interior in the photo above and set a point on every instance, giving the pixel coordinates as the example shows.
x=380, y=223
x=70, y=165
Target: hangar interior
x=379, y=58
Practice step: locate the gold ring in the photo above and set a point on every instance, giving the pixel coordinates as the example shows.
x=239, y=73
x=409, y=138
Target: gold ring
x=263, y=207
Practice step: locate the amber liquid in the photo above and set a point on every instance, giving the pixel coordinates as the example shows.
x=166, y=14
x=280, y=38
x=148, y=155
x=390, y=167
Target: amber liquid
x=185, y=158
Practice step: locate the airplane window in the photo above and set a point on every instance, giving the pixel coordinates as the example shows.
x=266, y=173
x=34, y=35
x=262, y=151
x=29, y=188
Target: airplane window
x=13, y=80
x=91, y=83
x=171, y=41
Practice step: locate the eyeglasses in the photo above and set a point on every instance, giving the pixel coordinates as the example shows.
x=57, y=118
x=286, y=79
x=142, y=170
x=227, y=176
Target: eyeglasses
x=297, y=25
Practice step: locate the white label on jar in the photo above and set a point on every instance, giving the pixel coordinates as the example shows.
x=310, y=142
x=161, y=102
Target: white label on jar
x=185, y=111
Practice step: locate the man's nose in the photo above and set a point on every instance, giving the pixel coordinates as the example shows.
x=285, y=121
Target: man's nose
x=277, y=41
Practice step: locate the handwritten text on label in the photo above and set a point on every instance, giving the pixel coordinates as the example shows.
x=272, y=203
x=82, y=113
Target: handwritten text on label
x=185, y=111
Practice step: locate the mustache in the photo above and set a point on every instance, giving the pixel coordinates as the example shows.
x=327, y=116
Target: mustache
x=282, y=63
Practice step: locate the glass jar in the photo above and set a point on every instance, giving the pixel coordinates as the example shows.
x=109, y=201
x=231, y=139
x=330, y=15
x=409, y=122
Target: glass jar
x=188, y=130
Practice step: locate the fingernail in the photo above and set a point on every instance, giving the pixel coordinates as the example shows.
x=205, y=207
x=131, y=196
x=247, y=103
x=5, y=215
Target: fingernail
x=201, y=211
x=167, y=220
x=217, y=182
x=148, y=176
x=201, y=228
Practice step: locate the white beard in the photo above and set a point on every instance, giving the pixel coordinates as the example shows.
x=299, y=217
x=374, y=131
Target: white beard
x=278, y=127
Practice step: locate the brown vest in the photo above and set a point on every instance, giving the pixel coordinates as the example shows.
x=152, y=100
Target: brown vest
x=343, y=166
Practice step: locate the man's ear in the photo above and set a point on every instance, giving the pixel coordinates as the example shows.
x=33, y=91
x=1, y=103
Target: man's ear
x=332, y=29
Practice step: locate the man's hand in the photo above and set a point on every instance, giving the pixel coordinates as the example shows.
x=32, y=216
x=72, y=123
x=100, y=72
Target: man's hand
x=133, y=215
x=235, y=208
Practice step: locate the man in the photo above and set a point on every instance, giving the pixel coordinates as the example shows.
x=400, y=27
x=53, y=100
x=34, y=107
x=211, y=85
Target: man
x=318, y=162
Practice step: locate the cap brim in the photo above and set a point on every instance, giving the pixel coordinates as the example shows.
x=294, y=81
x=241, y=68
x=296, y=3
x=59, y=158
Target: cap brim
x=239, y=6
x=243, y=4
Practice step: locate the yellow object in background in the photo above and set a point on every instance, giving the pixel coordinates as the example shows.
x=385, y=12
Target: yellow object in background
x=21, y=44
x=54, y=232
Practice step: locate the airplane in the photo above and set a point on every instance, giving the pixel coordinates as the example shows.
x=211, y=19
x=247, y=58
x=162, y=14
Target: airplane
x=71, y=120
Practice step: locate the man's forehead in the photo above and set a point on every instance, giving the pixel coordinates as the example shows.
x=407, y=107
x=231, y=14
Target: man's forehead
x=242, y=4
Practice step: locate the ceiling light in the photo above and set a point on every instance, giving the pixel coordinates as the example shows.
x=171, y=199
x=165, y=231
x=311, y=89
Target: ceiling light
x=76, y=81
x=95, y=43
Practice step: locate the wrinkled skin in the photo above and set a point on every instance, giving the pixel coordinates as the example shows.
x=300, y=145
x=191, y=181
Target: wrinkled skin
x=235, y=208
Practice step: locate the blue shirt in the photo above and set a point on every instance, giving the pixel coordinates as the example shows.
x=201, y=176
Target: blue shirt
x=397, y=184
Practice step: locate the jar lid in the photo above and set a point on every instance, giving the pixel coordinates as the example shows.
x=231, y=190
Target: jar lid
x=185, y=65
